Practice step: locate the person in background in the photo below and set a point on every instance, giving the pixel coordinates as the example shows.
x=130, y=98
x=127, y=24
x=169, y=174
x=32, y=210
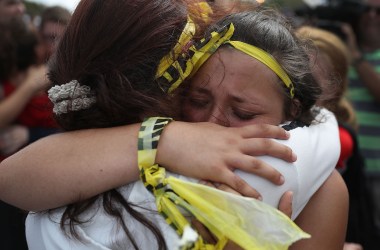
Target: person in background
x=363, y=41
x=11, y=9
x=331, y=62
x=25, y=110
x=53, y=24
x=29, y=105
x=17, y=44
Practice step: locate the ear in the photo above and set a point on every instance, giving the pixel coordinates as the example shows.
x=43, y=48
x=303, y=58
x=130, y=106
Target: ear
x=295, y=109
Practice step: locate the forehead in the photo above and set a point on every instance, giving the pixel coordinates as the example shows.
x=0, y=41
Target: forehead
x=230, y=72
x=233, y=64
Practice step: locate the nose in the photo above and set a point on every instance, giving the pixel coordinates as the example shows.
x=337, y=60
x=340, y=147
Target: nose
x=218, y=116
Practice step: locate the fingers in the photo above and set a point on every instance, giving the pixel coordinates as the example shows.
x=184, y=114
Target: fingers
x=228, y=189
x=239, y=185
x=352, y=246
x=208, y=183
x=257, y=167
x=264, y=131
x=263, y=146
x=286, y=203
x=203, y=231
x=232, y=246
x=259, y=141
x=220, y=186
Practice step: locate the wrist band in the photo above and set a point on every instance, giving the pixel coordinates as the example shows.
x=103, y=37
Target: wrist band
x=149, y=135
x=249, y=223
x=153, y=178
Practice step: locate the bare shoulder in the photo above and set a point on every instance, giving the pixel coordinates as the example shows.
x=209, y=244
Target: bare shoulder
x=325, y=216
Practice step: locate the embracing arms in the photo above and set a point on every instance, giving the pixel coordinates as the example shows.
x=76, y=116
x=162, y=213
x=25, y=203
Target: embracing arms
x=64, y=168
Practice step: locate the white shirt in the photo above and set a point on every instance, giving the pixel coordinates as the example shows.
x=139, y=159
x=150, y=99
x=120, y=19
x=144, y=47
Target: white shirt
x=317, y=148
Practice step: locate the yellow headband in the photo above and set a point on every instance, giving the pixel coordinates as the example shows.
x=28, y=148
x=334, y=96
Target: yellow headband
x=266, y=59
x=187, y=64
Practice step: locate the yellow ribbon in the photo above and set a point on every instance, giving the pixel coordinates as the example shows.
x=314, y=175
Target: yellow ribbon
x=187, y=64
x=185, y=37
x=266, y=59
x=249, y=223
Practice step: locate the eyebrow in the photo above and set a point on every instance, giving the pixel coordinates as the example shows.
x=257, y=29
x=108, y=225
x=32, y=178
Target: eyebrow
x=237, y=98
x=245, y=100
x=201, y=89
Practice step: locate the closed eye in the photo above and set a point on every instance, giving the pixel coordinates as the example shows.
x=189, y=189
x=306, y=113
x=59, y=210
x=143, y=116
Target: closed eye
x=244, y=114
x=198, y=102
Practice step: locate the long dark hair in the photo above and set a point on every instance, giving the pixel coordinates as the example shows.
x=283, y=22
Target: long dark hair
x=114, y=47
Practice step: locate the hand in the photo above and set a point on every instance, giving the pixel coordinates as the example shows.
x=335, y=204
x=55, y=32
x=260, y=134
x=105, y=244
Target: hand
x=12, y=139
x=212, y=152
x=285, y=205
x=351, y=41
x=352, y=246
x=208, y=237
x=36, y=79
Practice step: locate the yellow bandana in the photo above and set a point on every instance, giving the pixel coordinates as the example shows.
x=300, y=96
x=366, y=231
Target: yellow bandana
x=187, y=63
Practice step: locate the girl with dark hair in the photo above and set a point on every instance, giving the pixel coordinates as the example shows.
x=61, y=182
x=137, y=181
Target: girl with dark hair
x=113, y=86
x=99, y=87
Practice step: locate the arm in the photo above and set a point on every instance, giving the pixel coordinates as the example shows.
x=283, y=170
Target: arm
x=325, y=217
x=68, y=167
x=13, y=105
x=366, y=72
x=369, y=77
x=13, y=138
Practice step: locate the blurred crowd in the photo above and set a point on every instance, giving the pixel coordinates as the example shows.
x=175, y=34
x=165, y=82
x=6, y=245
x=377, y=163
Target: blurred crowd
x=356, y=24
x=25, y=110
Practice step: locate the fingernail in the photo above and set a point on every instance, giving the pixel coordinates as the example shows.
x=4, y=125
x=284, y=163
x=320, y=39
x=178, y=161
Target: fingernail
x=291, y=195
x=260, y=198
x=294, y=156
x=282, y=180
x=287, y=133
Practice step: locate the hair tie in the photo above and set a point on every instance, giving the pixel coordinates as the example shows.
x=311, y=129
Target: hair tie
x=71, y=97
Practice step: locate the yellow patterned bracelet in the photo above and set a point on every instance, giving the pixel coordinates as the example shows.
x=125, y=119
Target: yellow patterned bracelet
x=153, y=177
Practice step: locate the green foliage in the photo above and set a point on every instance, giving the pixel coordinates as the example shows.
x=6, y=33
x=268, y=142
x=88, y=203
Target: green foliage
x=34, y=9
